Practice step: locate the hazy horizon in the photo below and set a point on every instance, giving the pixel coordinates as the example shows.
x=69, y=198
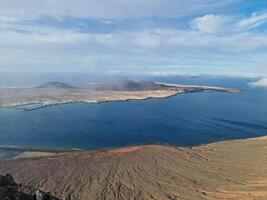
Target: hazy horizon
x=30, y=79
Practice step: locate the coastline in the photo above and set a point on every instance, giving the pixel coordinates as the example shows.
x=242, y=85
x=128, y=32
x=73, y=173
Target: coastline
x=99, y=97
x=98, y=102
x=35, y=149
x=36, y=107
x=27, y=152
x=11, y=152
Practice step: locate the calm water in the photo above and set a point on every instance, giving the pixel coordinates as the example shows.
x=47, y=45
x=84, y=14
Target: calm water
x=187, y=119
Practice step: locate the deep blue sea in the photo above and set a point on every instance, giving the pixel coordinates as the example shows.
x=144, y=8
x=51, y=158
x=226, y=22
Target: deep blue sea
x=184, y=120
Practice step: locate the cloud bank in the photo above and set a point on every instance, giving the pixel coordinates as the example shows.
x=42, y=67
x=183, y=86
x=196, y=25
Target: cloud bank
x=154, y=36
x=108, y=9
x=259, y=83
x=212, y=23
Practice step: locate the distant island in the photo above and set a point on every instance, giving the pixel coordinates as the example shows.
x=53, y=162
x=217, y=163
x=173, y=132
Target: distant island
x=54, y=93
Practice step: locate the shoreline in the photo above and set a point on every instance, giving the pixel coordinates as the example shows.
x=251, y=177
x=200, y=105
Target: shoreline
x=36, y=149
x=133, y=95
x=54, y=151
x=93, y=102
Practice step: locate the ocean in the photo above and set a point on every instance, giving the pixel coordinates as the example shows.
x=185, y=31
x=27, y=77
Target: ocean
x=184, y=120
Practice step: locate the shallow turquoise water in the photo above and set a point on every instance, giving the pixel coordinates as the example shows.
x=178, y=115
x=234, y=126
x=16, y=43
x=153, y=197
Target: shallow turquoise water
x=8, y=154
x=187, y=119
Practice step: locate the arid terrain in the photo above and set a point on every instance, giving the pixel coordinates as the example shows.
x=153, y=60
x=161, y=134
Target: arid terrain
x=53, y=93
x=226, y=170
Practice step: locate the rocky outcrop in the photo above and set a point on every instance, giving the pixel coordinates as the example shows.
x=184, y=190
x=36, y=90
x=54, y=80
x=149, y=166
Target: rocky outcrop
x=10, y=190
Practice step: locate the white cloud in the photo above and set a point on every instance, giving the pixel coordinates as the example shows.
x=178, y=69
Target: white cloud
x=228, y=24
x=255, y=20
x=8, y=19
x=60, y=37
x=212, y=23
x=13, y=38
x=156, y=38
x=260, y=83
x=108, y=9
x=29, y=39
x=170, y=38
x=147, y=38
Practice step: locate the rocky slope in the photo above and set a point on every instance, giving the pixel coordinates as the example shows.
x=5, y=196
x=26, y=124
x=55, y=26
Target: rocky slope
x=225, y=170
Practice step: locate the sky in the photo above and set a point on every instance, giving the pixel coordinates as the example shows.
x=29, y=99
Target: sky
x=153, y=37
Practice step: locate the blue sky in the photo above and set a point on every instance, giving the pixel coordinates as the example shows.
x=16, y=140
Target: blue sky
x=159, y=37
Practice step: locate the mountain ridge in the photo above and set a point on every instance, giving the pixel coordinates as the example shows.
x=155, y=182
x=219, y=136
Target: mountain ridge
x=127, y=85
x=56, y=84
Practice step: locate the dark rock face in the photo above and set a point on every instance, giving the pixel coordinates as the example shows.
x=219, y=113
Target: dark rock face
x=10, y=190
x=7, y=180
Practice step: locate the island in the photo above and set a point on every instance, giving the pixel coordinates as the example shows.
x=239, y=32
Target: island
x=54, y=93
x=226, y=170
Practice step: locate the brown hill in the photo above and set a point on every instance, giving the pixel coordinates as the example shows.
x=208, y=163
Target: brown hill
x=56, y=85
x=129, y=85
x=226, y=170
